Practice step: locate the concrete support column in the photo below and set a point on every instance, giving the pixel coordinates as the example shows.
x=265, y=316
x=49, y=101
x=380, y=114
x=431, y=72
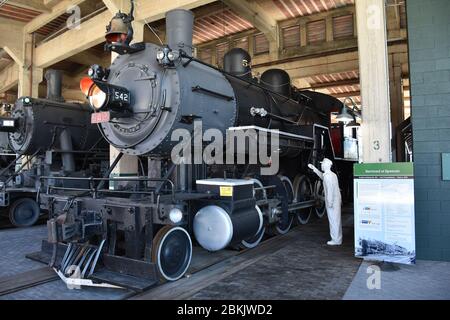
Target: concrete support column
x=29, y=76
x=374, y=75
x=128, y=165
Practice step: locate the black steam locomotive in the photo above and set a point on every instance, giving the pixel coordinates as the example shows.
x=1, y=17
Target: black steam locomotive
x=147, y=96
x=50, y=138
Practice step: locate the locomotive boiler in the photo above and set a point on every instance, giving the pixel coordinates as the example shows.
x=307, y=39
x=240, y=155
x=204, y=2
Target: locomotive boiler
x=50, y=138
x=152, y=93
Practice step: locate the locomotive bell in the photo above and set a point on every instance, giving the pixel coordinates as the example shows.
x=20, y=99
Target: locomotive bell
x=117, y=29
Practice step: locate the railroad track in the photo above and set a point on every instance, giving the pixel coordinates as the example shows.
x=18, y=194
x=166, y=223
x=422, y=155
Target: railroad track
x=202, y=273
x=25, y=280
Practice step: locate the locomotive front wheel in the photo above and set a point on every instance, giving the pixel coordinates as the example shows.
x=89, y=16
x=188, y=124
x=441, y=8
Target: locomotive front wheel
x=172, y=252
x=24, y=213
x=282, y=228
x=319, y=193
x=303, y=192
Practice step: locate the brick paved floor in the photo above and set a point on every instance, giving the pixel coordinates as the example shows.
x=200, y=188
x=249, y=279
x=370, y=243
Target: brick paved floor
x=305, y=269
x=15, y=244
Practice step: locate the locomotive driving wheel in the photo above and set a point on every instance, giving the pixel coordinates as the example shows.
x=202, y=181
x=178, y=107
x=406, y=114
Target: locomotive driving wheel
x=24, y=213
x=319, y=193
x=302, y=192
x=283, y=227
x=172, y=252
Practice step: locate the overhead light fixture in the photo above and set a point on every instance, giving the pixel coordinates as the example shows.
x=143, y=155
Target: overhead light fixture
x=344, y=116
x=353, y=125
x=348, y=119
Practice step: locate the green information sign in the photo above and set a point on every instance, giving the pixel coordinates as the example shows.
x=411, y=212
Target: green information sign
x=384, y=212
x=384, y=170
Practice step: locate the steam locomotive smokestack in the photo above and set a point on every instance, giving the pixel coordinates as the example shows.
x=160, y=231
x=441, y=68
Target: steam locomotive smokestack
x=54, y=85
x=179, y=29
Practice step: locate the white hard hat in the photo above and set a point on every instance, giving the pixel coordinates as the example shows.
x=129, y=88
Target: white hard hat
x=327, y=161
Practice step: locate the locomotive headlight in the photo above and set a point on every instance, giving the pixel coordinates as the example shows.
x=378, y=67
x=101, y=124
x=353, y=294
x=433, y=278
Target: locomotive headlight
x=26, y=100
x=173, y=55
x=103, y=95
x=98, y=98
x=166, y=56
x=160, y=55
x=175, y=215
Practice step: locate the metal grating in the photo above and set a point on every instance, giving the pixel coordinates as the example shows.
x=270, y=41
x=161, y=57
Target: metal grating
x=291, y=37
x=343, y=27
x=316, y=31
x=261, y=44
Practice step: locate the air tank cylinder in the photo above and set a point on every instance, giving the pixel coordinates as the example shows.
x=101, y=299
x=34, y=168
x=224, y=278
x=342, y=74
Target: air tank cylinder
x=216, y=227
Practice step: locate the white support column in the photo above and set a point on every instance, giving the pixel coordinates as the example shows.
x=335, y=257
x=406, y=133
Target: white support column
x=30, y=76
x=128, y=165
x=374, y=77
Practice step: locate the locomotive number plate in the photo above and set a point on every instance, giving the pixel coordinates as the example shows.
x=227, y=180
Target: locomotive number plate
x=100, y=117
x=226, y=191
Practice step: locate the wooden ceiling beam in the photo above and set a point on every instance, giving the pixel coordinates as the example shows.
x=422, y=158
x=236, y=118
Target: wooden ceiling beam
x=36, y=5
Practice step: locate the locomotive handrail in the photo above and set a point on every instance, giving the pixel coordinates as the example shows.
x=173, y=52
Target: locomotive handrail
x=94, y=190
x=13, y=175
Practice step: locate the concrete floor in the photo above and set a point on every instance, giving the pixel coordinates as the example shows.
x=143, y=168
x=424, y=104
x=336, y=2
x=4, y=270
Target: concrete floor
x=427, y=280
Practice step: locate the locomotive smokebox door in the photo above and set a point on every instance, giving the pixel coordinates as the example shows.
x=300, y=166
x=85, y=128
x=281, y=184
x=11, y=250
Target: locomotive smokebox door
x=227, y=189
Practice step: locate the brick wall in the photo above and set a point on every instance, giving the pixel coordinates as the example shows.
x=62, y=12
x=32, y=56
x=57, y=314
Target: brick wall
x=429, y=45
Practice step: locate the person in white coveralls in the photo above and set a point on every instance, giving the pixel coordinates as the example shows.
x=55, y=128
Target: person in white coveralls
x=333, y=200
